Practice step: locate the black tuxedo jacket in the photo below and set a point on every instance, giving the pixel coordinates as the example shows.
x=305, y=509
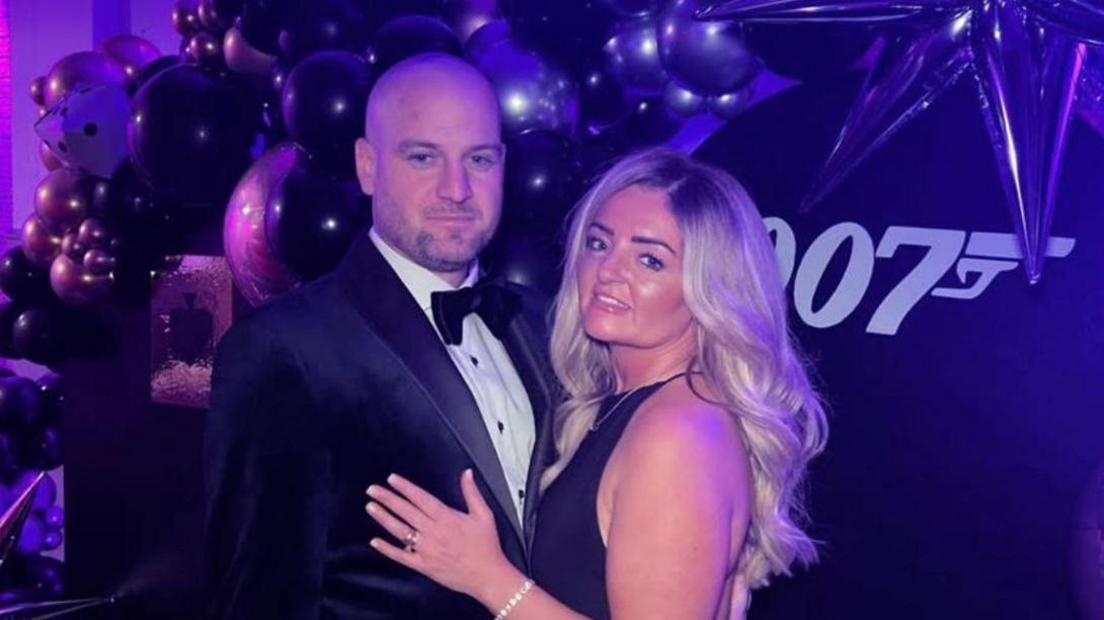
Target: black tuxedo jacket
x=322, y=393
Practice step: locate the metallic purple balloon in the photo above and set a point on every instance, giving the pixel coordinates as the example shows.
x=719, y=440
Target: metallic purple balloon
x=682, y=101
x=40, y=245
x=258, y=274
x=49, y=160
x=533, y=93
x=131, y=52
x=38, y=90
x=708, y=58
x=88, y=68
x=632, y=57
x=243, y=58
x=729, y=105
x=76, y=285
x=62, y=199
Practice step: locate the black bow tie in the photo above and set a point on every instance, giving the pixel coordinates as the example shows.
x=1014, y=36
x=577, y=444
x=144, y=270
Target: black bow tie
x=490, y=299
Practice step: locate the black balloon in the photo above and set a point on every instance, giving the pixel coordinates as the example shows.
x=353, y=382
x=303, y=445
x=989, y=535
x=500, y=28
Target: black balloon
x=809, y=52
x=529, y=261
x=218, y=15
x=20, y=404
x=323, y=25
x=22, y=281
x=541, y=182
x=602, y=100
x=38, y=335
x=571, y=31
x=146, y=73
x=192, y=135
x=379, y=12
x=411, y=35
x=261, y=22
x=311, y=220
x=11, y=457
x=9, y=312
x=486, y=38
x=649, y=123
x=323, y=107
x=42, y=449
x=52, y=402
x=465, y=17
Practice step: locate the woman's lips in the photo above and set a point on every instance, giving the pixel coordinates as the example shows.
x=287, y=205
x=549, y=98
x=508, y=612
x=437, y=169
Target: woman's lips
x=610, y=304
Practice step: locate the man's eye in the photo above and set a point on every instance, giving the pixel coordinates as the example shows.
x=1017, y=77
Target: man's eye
x=419, y=158
x=483, y=161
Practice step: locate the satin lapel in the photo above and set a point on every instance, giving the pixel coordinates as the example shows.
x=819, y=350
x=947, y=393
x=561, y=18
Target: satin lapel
x=533, y=368
x=382, y=299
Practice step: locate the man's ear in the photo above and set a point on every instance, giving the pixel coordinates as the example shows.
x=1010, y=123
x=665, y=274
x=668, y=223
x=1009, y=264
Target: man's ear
x=366, y=166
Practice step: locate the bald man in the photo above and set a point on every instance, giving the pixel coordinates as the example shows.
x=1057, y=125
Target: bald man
x=392, y=364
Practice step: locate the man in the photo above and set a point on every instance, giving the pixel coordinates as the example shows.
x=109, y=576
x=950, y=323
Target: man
x=359, y=375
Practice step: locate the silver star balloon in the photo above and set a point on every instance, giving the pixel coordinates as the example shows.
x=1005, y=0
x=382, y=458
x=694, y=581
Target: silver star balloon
x=1026, y=55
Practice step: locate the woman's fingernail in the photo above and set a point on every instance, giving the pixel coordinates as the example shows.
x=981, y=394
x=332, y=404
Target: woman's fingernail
x=372, y=490
x=374, y=543
x=391, y=478
x=372, y=507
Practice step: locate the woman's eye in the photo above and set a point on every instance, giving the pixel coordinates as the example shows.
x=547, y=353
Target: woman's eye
x=595, y=244
x=651, y=262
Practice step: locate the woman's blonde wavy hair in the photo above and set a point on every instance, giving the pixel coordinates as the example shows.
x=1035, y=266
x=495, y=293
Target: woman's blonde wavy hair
x=744, y=351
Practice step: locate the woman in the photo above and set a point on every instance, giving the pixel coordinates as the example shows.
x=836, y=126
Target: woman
x=688, y=428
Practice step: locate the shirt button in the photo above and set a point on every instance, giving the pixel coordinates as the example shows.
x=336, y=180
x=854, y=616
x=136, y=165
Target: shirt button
x=521, y=494
x=501, y=427
x=474, y=361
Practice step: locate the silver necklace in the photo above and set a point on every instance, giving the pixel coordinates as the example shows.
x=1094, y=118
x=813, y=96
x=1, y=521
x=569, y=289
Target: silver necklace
x=598, y=422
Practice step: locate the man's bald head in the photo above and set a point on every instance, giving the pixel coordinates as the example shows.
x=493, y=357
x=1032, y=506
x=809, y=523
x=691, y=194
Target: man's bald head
x=427, y=77
x=432, y=159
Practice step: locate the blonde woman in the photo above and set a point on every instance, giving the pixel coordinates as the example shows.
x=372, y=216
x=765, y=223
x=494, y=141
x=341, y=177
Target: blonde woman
x=688, y=428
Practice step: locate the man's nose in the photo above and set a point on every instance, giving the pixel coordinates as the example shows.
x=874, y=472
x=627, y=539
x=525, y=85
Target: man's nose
x=454, y=183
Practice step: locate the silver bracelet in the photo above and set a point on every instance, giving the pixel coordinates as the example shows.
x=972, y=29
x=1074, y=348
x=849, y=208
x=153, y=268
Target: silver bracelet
x=515, y=599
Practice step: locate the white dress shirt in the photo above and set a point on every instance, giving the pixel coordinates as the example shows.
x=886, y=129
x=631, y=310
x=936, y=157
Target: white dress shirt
x=486, y=368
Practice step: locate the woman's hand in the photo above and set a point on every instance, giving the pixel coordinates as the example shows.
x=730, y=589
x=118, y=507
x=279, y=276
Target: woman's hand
x=458, y=550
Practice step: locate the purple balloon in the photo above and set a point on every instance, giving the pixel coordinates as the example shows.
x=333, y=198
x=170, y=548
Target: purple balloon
x=32, y=537
x=706, y=58
x=38, y=90
x=54, y=519
x=258, y=274
x=632, y=56
x=131, y=52
x=51, y=541
x=46, y=495
x=88, y=68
